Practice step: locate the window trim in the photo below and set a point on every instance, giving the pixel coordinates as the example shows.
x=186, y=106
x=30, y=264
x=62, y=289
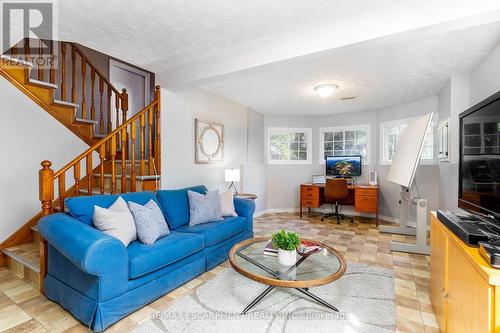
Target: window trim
x=400, y=122
x=322, y=130
x=306, y=130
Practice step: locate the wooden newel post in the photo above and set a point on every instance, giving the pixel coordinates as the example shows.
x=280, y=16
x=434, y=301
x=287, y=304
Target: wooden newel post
x=124, y=100
x=124, y=105
x=157, y=146
x=46, y=184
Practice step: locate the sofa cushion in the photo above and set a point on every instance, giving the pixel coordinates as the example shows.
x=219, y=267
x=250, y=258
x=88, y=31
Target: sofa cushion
x=175, y=205
x=116, y=221
x=217, y=231
x=204, y=208
x=227, y=203
x=149, y=221
x=144, y=259
x=82, y=208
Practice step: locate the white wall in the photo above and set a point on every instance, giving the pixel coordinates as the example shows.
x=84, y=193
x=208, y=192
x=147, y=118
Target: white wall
x=284, y=180
x=179, y=110
x=255, y=171
x=485, y=78
x=453, y=99
x=28, y=136
x=462, y=92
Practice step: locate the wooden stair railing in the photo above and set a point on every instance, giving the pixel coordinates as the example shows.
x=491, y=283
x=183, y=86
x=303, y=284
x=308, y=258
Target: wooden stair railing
x=107, y=92
x=82, y=98
x=84, y=101
x=135, y=131
x=141, y=129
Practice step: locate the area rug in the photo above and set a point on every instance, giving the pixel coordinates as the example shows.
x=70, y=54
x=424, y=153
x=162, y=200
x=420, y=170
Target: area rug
x=364, y=297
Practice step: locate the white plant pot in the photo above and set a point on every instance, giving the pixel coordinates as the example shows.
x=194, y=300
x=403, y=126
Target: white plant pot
x=287, y=258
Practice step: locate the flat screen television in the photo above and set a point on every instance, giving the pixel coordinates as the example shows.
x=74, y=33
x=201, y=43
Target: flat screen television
x=479, y=163
x=343, y=166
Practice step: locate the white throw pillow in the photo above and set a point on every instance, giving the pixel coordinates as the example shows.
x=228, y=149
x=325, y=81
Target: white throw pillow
x=227, y=204
x=116, y=221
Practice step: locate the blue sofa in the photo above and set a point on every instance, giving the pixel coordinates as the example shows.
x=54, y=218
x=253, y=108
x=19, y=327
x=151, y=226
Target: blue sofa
x=100, y=281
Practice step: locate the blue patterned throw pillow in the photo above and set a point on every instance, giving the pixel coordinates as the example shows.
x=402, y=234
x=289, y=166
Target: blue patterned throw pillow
x=204, y=208
x=149, y=221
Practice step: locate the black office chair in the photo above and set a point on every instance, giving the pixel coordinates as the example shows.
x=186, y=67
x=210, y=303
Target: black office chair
x=336, y=190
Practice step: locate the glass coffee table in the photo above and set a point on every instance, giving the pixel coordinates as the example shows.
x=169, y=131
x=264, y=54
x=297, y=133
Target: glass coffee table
x=248, y=258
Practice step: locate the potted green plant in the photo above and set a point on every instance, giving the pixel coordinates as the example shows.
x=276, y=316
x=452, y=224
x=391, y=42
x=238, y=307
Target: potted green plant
x=286, y=243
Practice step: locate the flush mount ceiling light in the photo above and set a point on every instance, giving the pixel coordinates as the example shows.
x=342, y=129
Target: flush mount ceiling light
x=326, y=90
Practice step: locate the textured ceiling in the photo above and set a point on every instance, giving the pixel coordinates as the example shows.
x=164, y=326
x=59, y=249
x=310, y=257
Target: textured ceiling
x=377, y=76
x=195, y=42
x=161, y=35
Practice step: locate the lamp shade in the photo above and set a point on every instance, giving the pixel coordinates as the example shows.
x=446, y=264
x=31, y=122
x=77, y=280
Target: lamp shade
x=232, y=175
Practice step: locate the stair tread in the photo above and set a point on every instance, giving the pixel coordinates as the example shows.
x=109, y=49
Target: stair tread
x=96, y=135
x=59, y=102
x=137, y=161
x=94, y=192
x=146, y=177
x=27, y=254
x=34, y=228
x=43, y=83
x=87, y=121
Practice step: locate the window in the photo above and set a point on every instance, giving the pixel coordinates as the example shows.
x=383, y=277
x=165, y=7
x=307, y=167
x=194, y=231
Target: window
x=390, y=132
x=346, y=140
x=289, y=145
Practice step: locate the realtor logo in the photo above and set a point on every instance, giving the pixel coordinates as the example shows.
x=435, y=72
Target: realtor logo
x=28, y=29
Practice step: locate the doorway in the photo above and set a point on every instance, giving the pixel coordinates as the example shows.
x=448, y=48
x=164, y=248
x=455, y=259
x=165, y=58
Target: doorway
x=137, y=83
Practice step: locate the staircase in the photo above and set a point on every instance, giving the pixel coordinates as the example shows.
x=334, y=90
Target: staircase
x=124, y=152
x=81, y=98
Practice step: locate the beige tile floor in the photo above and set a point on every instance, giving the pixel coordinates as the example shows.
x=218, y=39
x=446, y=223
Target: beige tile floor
x=23, y=309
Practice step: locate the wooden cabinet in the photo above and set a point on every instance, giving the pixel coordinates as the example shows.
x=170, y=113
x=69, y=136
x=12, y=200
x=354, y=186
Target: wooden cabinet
x=366, y=200
x=468, y=296
x=439, y=249
x=310, y=196
x=463, y=286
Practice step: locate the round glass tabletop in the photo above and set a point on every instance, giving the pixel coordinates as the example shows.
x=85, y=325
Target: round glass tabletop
x=317, y=269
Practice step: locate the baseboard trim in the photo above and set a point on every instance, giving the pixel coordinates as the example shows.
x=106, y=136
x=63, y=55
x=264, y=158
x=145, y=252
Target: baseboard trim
x=275, y=210
x=295, y=210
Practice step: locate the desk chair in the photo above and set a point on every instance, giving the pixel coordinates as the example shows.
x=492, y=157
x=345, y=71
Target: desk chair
x=336, y=190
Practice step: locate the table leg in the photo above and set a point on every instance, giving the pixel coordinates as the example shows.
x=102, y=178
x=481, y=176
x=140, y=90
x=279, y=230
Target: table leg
x=302, y=290
x=258, y=299
x=317, y=299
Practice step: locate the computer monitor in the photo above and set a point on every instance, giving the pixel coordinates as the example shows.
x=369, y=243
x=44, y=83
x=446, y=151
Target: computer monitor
x=343, y=166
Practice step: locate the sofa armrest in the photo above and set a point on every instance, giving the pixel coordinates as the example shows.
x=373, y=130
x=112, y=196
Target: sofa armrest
x=89, y=249
x=245, y=208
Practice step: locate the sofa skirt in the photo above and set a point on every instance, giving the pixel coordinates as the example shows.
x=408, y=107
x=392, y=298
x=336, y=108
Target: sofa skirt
x=99, y=316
